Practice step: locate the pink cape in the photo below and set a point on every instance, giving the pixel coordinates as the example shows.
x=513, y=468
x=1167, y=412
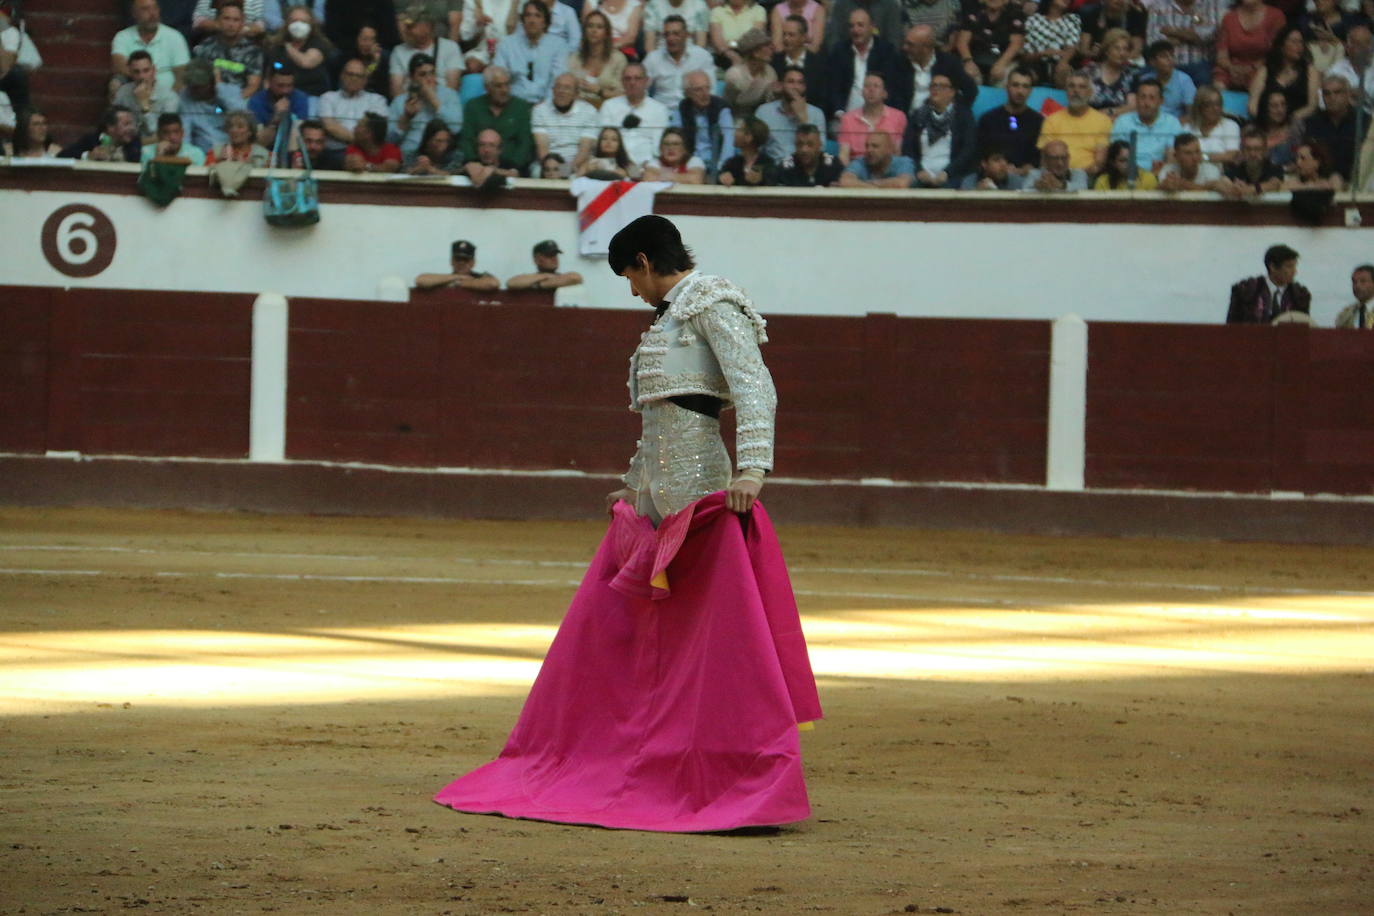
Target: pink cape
x=671, y=708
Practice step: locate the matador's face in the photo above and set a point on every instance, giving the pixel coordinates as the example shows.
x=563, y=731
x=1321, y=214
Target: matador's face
x=641, y=277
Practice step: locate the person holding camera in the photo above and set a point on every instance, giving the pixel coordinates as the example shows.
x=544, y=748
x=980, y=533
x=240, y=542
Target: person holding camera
x=424, y=100
x=640, y=118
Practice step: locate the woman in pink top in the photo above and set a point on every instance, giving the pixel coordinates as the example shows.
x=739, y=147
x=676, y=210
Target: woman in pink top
x=1246, y=34
x=810, y=10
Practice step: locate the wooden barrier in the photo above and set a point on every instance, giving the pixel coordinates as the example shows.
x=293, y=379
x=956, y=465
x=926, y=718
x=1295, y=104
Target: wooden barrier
x=449, y=383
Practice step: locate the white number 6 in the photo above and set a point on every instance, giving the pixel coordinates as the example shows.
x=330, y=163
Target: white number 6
x=76, y=228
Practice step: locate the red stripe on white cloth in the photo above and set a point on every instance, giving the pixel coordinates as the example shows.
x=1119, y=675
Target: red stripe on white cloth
x=606, y=207
x=602, y=202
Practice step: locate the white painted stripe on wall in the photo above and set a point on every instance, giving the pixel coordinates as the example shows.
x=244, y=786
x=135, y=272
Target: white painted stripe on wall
x=267, y=411
x=613, y=478
x=1065, y=448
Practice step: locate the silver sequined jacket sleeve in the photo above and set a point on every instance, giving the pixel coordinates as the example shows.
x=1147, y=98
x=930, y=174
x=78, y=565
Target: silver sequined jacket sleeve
x=733, y=340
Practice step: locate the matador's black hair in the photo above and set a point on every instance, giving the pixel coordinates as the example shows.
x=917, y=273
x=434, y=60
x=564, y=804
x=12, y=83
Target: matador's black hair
x=657, y=239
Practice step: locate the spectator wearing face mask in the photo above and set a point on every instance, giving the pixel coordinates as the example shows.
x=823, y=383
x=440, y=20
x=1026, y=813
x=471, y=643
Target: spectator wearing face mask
x=300, y=46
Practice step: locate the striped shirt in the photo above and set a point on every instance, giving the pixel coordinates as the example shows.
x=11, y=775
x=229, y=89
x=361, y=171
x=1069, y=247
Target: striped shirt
x=1203, y=17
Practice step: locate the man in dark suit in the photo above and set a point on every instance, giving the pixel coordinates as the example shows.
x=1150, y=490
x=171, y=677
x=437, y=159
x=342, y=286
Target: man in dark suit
x=843, y=77
x=919, y=62
x=794, y=54
x=1259, y=300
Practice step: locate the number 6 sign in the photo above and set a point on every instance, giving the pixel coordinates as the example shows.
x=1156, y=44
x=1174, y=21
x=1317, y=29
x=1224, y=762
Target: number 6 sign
x=79, y=241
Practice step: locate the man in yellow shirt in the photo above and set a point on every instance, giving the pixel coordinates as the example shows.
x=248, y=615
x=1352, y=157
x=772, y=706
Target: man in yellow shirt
x=1084, y=129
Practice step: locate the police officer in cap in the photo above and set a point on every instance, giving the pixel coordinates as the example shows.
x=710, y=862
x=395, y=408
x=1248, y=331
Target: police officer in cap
x=546, y=274
x=464, y=275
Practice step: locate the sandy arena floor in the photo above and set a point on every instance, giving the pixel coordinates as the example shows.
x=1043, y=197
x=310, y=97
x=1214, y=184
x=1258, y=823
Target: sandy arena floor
x=235, y=714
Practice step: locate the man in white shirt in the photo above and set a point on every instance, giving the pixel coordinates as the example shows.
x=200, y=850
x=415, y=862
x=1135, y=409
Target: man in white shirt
x=1356, y=65
x=164, y=44
x=7, y=122
x=641, y=119
x=1360, y=313
x=667, y=65
x=341, y=109
x=1188, y=172
x=484, y=22
x=861, y=43
x=848, y=63
x=18, y=58
x=564, y=124
x=420, y=38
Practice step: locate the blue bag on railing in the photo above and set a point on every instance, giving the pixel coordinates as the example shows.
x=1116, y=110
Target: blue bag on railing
x=290, y=201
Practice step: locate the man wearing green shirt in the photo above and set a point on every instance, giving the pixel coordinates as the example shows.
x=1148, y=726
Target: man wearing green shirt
x=498, y=110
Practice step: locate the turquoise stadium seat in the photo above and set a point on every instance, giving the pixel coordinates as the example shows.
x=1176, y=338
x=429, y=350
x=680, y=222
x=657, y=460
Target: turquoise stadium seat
x=1236, y=104
x=832, y=147
x=989, y=97
x=1040, y=93
x=471, y=87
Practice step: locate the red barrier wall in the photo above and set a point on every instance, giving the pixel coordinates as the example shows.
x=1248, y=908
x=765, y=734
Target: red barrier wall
x=129, y=373
x=457, y=384
x=1245, y=409
x=468, y=385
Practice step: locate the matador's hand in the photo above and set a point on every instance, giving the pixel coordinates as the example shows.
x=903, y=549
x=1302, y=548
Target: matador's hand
x=742, y=492
x=626, y=494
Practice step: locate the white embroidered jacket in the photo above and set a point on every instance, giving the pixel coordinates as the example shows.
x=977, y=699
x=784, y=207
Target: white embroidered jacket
x=707, y=342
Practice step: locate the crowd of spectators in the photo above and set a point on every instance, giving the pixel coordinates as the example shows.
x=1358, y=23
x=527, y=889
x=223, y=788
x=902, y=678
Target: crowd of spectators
x=804, y=93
